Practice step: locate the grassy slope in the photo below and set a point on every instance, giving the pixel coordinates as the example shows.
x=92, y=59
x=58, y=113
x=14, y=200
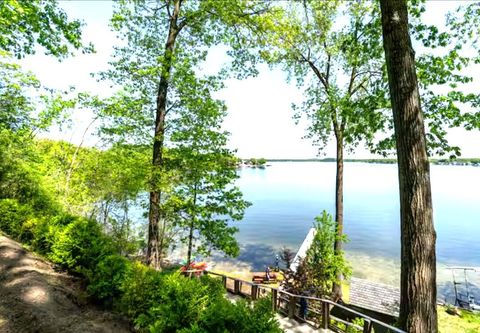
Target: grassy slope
x=467, y=323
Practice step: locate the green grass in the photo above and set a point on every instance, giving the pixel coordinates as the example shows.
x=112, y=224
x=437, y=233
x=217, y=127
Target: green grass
x=466, y=323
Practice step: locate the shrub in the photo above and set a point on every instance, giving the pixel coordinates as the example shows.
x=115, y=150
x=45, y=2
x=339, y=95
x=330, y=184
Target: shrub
x=29, y=229
x=47, y=231
x=322, y=264
x=182, y=302
x=240, y=317
x=80, y=246
x=140, y=290
x=107, y=278
x=12, y=216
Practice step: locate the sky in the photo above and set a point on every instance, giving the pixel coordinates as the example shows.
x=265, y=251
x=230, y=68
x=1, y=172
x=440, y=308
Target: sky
x=259, y=109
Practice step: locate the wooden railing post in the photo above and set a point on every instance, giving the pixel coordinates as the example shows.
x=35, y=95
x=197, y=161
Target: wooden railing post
x=367, y=326
x=277, y=298
x=224, y=281
x=274, y=300
x=254, y=292
x=236, y=287
x=291, y=306
x=325, y=315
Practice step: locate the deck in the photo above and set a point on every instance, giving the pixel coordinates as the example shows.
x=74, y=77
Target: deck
x=321, y=316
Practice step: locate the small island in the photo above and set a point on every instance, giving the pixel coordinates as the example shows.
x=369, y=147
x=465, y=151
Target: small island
x=253, y=163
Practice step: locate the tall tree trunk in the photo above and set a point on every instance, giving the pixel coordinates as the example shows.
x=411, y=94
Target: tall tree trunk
x=154, y=252
x=190, y=241
x=192, y=226
x=337, y=288
x=418, y=310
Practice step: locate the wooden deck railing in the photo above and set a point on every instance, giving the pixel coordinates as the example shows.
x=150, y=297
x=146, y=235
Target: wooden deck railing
x=288, y=304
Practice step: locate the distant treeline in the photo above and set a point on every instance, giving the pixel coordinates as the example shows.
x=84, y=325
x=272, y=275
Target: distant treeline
x=446, y=161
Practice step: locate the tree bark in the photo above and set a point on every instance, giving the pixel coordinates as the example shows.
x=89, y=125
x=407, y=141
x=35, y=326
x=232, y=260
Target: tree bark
x=154, y=252
x=418, y=311
x=190, y=241
x=192, y=226
x=337, y=288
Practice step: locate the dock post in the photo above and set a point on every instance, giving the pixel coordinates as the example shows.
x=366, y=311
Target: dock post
x=325, y=315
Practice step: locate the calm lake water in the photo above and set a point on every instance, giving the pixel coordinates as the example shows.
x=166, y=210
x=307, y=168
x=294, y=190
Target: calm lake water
x=288, y=195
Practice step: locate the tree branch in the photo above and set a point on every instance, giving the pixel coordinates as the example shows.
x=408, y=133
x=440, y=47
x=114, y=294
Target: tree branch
x=360, y=85
x=167, y=3
x=315, y=70
x=175, y=104
x=352, y=79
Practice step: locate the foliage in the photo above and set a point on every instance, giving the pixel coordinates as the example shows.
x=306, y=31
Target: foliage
x=444, y=67
x=43, y=231
x=106, y=279
x=322, y=263
x=182, y=302
x=256, y=162
x=287, y=255
x=333, y=51
x=80, y=246
x=170, y=302
x=241, y=317
x=16, y=106
x=158, y=72
x=141, y=289
x=23, y=24
x=205, y=196
x=12, y=216
x=19, y=177
x=339, y=66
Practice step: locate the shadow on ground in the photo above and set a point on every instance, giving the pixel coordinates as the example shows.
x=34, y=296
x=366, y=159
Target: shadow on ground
x=36, y=298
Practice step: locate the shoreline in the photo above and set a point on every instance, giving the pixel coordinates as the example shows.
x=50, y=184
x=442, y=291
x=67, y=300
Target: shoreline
x=456, y=162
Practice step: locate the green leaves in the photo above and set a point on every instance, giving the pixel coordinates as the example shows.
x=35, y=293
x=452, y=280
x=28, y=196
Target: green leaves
x=24, y=24
x=25, y=105
x=322, y=264
x=339, y=66
x=205, y=194
x=444, y=71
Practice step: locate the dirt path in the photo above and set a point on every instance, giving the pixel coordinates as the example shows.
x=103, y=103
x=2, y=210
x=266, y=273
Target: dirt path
x=35, y=298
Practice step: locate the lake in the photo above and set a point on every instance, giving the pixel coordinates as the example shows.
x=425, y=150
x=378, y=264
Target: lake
x=286, y=197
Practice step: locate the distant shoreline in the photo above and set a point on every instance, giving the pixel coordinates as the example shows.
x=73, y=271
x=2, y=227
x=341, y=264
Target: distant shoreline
x=435, y=161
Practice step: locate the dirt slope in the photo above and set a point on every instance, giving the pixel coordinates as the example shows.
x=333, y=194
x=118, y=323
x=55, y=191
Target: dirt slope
x=35, y=298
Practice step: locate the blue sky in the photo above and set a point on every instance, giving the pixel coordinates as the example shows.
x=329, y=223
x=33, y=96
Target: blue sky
x=260, y=115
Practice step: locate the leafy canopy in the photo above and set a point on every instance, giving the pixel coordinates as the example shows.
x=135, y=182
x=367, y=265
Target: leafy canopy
x=26, y=24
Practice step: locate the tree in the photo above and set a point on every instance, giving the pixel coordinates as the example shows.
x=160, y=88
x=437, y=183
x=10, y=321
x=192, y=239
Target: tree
x=205, y=197
x=444, y=69
x=341, y=70
x=286, y=255
x=418, y=312
x=145, y=68
x=318, y=271
x=25, y=24
x=15, y=105
x=322, y=261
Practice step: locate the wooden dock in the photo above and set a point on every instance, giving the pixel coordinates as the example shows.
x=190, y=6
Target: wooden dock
x=302, y=251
